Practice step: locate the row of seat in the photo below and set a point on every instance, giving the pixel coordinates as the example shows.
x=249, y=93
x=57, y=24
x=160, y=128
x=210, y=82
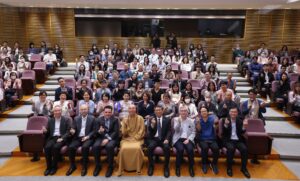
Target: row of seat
x=258, y=141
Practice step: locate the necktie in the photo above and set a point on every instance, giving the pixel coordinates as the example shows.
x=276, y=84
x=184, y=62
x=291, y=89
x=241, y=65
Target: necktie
x=159, y=128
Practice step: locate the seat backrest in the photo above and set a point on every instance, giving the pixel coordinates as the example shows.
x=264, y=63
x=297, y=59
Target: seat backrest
x=174, y=66
x=220, y=129
x=275, y=85
x=165, y=83
x=195, y=83
x=120, y=65
x=184, y=75
x=70, y=82
x=41, y=65
x=293, y=76
x=36, y=57
x=255, y=125
x=28, y=74
x=37, y=122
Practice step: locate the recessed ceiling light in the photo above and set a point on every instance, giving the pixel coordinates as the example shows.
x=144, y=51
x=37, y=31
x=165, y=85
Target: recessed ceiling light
x=291, y=1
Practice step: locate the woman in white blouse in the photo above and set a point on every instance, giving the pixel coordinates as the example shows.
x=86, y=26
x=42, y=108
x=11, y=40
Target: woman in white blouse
x=42, y=106
x=66, y=106
x=186, y=65
x=175, y=93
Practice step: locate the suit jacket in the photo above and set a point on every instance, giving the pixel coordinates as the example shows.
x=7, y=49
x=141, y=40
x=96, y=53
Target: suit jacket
x=165, y=129
x=112, y=132
x=150, y=83
x=181, y=83
x=69, y=91
x=226, y=135
x=245, y=110
x=262, y=78
x=224, y=112
x=144, y=111
x=64, y=128
x=191, y=132
x=89, y=128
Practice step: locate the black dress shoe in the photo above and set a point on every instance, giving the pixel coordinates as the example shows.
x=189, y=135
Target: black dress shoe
x=53, y=171
x=47, y=172
x=229, y=172
x=214, y=168
x=204, y=168
x=109, y=172
x=71, y=170
x=191, y=170
x=246, y=173
x=150, y=170
x=177, y=172
x=97, y=170
x=166, y=172
x=83, y=172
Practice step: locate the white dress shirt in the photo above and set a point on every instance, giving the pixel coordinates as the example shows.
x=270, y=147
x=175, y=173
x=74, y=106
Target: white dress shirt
x=57, y=126
x=83, y=125
x=159, y=121
x=233, y=131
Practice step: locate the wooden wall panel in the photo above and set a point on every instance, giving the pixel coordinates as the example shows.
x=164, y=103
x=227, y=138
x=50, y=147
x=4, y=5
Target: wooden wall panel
x=275, y=28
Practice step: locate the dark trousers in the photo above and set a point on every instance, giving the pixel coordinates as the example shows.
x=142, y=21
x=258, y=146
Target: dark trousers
x=231, y=146
x=213, y=145
x=152, y=144
x=8, y=97
x=85, y=149
x=266, y=90
x=52, y=152
x=110, y=151
x=180, y=147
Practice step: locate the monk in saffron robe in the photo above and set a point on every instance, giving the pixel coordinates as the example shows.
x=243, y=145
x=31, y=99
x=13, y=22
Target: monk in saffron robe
x=131, y=155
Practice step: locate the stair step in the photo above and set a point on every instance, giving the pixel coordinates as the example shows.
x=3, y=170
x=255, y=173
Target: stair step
x=274, y=115
x=234, y=74
x=64, y=72
x=13, y=126
x=21, y=112
x=282, y=129
x=288, y=148
x=55, y=77
x=48, y=87
x=242, y=89
x=7, y=144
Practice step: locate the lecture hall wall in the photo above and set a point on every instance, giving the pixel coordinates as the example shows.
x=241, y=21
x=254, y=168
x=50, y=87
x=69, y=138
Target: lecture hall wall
x=25, y=25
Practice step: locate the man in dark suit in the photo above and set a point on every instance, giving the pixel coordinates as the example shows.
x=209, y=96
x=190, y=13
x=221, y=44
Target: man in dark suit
x=179, y=81
x=107, y=136
x=57, y=134
x=63, y=88
x=226, y=105
x=265, y=80
x=159, y=131
x=83, y=133
x=232, y=137
x=147, y=82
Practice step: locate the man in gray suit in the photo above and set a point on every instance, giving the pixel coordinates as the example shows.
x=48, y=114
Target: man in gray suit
x=183, y=139
x=83, y=133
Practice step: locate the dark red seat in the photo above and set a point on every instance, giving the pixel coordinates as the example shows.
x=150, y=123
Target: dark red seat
x=195, y=84
x=28, y=81
x=165, y=84
x=40, y=71
x=120, y=66
x=32, y=139
x=259, y=142
x=184, y=75
x=35, y=58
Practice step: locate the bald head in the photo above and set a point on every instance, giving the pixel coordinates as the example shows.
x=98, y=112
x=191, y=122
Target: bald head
x=84, y=109
x=132, y=110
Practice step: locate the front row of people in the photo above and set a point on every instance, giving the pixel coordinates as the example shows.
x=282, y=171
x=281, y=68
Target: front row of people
x=103, y=134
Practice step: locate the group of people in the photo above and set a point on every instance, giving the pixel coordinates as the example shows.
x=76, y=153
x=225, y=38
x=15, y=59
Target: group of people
x=263, y=66
x=122, y=101
x=14, y=61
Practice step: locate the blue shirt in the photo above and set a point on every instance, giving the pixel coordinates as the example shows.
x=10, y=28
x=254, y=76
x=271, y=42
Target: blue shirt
x=207, y=129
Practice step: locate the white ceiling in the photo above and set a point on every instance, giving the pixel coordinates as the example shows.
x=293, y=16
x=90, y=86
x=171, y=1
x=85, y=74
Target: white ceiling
x=157, y=4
